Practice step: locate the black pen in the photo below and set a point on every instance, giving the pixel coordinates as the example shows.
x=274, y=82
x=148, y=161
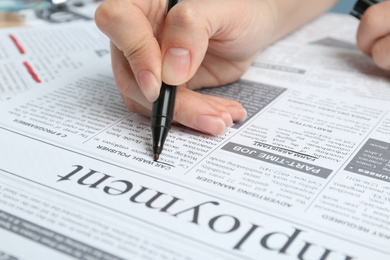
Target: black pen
x=361, y=6
x=162, y=111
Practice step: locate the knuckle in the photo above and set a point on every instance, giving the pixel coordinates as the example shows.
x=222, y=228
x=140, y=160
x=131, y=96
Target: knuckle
x=184, y=15
x=178, y=112
x=124, y=79
x=373, y=17
x=137, y=49
x=107, y=13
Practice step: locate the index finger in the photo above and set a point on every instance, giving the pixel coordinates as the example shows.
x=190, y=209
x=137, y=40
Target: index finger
x=133, y=27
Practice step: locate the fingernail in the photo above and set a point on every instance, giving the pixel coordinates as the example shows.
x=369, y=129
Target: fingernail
x=244, y=115
x=227, y=118
x=210, y=124
x=237, y=113
x=148, y=84
x=176, y=64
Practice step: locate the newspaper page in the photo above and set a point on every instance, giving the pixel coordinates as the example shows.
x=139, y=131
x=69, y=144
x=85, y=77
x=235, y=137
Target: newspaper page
x=324, y=55
x=31, y=56
x=305, y=176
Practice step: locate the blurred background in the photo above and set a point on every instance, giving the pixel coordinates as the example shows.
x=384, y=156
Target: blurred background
x=6, y=5
x=344, y=6
x=16, y=12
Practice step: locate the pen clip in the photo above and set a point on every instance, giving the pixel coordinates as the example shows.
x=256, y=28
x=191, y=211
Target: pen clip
x=361, y=6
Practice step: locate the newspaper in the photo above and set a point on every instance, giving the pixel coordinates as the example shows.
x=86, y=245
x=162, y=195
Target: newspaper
x=323, y=55
x=305, y=176
x=29, y=57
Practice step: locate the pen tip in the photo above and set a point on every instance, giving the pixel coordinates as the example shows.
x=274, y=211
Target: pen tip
x=156, y=155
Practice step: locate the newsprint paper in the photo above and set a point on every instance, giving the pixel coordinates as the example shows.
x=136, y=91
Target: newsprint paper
x=306, y=176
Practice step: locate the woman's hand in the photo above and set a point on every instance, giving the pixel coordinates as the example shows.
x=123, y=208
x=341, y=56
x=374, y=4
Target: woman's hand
x=199, y=43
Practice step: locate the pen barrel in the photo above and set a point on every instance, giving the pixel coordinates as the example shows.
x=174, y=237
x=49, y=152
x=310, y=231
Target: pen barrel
x=162, y=115
x=163, y=107
x=361, y=6
x=170, y=4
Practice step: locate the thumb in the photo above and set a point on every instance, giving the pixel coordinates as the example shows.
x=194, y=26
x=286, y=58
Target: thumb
x=184, y=43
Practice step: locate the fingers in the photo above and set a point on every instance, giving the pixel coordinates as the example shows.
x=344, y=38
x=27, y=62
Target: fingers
x=136, y=28
x=124, y=78
x=205, y=113
x=211, y=115
x=373, y=36
x=228, y=29
x=184, y=43
x=235, y=110
x=129, y=27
